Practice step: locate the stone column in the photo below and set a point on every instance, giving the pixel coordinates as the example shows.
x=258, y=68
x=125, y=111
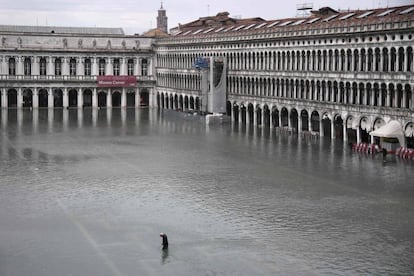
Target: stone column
x=137, y=67
x=109, y=69
x=3, y=97
x=300, y=123
x=94, y=98
x=137, y=98
x=50, y=99
x=80, y=68
x=19, y=98
x=65, y=66
x=345, y=130
x=123, y=65
x=280, y=118
x=321, y=134
x=109, y=98
x=65, y=98
x=358, y=135
x=35, y=98
x=50, y=66
x=333, y=129
x=405, y=65
x=123, y=97
x=35, y=66
x=94, y=64
x=80, y=98
x=310, y=122
x=19, y=66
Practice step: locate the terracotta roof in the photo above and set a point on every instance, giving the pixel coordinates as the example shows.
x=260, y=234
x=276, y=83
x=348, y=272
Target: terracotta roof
x=155, y=33
x=222, y=23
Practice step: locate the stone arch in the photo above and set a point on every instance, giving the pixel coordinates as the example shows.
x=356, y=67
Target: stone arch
x=87, y=98
x=409, y=134
x=235, y=112
x=250, y=111
x=275, y=117
x=43, y=95
x=58, y=98
x=27, y=97
x=102, y=99
x=266, y=116
x=259, y=118
x=351, y=133
x=144, y=96
x=304, y=117
x=326, y=124
x=243, y=113
x=284, y=117
x=364, y=129
x=73, y=98
x=116, y=98
x=315, y=121
x=338, y=126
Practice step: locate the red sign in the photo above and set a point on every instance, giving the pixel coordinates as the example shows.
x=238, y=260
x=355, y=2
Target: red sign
x=116, y=81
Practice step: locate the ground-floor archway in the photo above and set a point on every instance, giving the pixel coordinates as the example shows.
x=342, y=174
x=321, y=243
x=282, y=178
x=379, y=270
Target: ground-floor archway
x=116, y=99
x=144, y=98
x=73, y=98
x=87, y=98
x=101, y=99
x=27, y=98
x=43, y=98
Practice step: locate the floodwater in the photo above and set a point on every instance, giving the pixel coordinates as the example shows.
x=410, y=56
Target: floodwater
x=87, y=192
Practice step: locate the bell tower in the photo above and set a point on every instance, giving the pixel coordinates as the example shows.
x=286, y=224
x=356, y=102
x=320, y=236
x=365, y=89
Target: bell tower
x=162, y=20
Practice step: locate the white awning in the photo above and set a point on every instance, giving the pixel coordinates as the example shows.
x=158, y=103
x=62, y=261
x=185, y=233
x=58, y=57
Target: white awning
x=392, y=129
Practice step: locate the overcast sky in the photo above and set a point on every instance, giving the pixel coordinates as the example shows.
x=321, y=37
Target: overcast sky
x=137, y=16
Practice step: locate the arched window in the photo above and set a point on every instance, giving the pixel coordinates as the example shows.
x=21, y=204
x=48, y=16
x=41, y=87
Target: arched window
x=87, y=67
x=370, y=60
x=385, y=60
x=144, y=67
x=401, y=57
x=27, y=66
x=42, y=66
x=72, y=67
x=12, y=67
x=393, y=60
x=130, y=67
x=409, y=59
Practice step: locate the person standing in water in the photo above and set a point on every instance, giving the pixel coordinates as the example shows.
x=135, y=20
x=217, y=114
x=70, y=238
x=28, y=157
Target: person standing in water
x=164, y=240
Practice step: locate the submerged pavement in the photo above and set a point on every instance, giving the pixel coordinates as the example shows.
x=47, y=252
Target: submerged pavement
x=88, y=192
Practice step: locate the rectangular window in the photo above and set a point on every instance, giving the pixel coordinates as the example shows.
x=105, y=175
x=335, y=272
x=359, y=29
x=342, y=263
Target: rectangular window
x=130, y=67
x=116, y=67
x=12, y=67
x=101, y=67
x=42, y=67
x=27, y=67
x=72, y=67
x=88, y=70
x=144, y=67
x=58, y=67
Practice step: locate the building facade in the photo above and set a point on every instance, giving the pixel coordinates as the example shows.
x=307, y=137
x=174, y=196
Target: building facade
x=60, y=67
x=339, y=74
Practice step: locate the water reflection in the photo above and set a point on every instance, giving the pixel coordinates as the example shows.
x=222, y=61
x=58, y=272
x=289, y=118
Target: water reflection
x=223, y=190
x=164, y=256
